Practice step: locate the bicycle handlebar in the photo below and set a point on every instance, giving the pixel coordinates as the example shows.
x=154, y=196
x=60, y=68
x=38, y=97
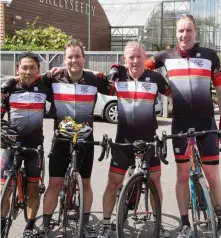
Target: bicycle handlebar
x=60, y=136
x=141, y=145
x=190, y=133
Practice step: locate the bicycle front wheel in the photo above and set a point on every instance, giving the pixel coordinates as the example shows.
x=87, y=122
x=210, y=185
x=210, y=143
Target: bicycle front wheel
x=133, y=214
x=8, y=194
x=73, y=207
x=202, y=211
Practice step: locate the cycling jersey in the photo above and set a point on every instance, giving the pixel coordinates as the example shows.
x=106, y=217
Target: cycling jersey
x=190, y=80
x=76, y=100
x=136, y=101
x=25, y=106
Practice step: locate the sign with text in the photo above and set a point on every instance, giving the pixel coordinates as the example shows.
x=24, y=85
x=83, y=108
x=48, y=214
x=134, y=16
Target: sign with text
x=71, y=5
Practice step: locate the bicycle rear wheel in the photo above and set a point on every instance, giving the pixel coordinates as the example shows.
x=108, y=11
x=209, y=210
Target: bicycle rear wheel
x=202, y=211
x=10, y=186
x=73, y=206
x=133, y=215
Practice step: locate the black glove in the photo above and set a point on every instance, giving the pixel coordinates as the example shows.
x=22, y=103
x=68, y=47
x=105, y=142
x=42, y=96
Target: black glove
x=5, y=86
x=114, y=73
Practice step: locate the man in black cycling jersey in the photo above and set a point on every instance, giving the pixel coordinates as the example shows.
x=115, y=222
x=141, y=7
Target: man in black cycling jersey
x=25, y=105
x=74, y=95
x=191, y=69
x=136, y=90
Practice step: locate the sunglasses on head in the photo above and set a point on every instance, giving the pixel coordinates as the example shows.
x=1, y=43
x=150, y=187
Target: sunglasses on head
x=186, y=15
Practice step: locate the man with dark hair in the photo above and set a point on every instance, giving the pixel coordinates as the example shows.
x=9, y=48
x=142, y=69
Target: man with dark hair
x=25, y=105
x=75, y=93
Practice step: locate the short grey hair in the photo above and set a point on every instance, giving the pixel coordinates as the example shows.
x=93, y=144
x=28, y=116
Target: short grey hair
x=134, y=44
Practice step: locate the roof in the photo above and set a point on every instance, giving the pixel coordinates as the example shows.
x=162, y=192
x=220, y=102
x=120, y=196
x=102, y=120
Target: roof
x=128, y=12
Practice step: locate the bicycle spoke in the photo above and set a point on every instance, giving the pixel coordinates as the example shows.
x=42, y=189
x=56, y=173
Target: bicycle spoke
x=73, y=207
x=138, y=222
x=204, y=220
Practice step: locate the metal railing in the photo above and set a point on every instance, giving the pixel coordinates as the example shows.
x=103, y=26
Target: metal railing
x=97, y=61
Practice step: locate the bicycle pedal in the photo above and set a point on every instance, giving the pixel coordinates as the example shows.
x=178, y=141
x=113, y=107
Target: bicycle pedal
x=41, y=188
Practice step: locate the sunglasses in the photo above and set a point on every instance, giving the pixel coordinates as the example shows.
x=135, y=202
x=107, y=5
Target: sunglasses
x=186, y=15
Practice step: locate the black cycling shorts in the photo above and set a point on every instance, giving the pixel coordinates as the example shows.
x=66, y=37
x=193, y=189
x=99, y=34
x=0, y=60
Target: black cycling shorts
x=31, y=164
x=59, y=159
x=123, y=157
x=208, y=145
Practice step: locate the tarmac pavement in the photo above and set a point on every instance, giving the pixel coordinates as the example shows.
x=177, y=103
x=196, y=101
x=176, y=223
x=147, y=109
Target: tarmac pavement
x=171, y=220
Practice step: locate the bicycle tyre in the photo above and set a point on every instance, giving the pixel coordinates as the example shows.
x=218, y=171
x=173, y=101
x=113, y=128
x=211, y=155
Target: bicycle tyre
x=42, y=174
x=138, y=179
x=12, y=203
x=73, y=205
x=204, y=206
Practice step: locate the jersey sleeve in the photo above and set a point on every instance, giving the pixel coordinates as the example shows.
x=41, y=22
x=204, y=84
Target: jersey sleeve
x=216, y=71
x=46, y=79
x=163, y=85
x=4, y=106
x=6, y=88
x=154, y=62
x=106, y=86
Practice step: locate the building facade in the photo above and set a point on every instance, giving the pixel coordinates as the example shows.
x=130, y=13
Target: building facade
x=70, y=16
x=160, y=28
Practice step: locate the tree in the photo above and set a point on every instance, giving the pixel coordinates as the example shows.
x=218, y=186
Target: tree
x=34, y=38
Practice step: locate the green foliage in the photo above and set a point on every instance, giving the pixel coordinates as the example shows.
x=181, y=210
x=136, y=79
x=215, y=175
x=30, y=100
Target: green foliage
x=34, y=38
x=157, y=47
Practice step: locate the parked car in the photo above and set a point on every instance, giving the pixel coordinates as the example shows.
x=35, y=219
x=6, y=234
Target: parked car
x=106, y=107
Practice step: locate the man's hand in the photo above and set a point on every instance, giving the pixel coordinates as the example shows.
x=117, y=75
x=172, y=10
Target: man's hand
x=114, y=73
x=54, y=71
x=6, y=86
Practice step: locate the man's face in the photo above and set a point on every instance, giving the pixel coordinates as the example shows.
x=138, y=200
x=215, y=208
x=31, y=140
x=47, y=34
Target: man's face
x=28, y=70
x=186, y=34
x=134, y=58
x=74, y=59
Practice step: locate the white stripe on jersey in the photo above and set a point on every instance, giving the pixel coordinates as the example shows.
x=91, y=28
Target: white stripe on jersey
x=194, y=63
x=136, y=86
x=27, y=97
x=77, y=89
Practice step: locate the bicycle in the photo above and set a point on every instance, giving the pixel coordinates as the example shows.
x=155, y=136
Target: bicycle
x=200, y=201
x=139, y=184
x=71, y=205
x=15, y=185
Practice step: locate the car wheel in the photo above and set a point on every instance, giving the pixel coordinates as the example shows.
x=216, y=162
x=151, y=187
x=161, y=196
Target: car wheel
x=111, y=112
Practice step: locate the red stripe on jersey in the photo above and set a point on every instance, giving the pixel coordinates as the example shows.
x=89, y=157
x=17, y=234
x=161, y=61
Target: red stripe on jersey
x=216, y=79
x=20, y=105
x=189, y=72
x=137, y=95
x=71, y=97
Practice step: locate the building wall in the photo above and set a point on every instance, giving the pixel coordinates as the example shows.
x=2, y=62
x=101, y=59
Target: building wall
x=69, y=15
x=2, y=22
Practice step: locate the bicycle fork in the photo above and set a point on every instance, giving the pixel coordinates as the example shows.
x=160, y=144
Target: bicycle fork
x=142, y=189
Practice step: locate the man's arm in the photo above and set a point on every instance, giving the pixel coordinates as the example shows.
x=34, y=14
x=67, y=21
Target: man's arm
x=107, y=81
x=163, y=86
x=216, y=78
